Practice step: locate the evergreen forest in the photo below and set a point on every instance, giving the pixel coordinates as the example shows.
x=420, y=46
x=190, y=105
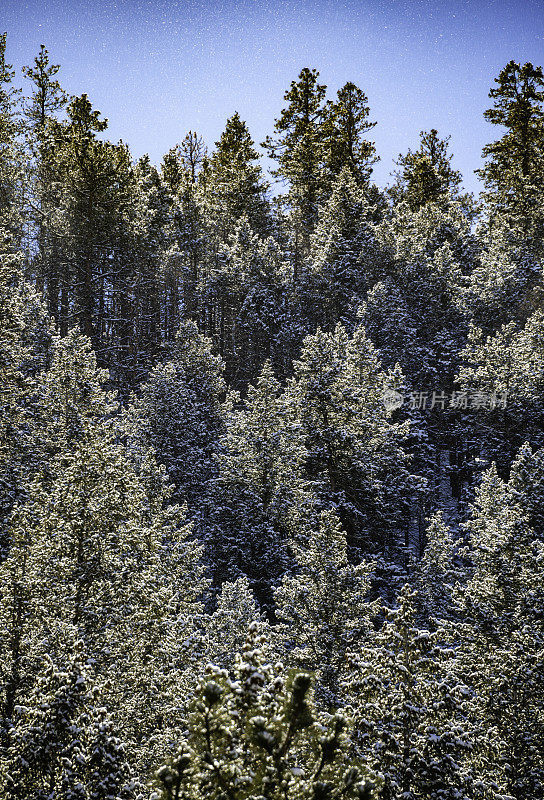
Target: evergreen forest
x=271, y=456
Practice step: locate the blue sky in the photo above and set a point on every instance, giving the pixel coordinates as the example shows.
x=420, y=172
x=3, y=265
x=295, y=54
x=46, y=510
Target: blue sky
x=157, y=68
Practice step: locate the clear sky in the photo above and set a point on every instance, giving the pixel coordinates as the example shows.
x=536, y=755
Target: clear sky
x=157, y=68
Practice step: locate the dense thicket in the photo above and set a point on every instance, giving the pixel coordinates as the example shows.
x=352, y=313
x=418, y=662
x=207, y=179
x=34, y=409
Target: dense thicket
x=271, y=464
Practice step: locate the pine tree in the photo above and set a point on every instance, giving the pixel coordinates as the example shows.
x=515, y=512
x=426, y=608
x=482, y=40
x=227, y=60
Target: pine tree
x=148, y=285
x=95, y=239
x=324, y=609
x=259, y=503
x=505, y=284
x=266, y=329
x=177, y=414
x=11, y=154
x=513, y=172
x=181, y=165
x=355, y=458
x=259, y=736
x=410, y=712
x=72, y=396
x=417, y=316
x=48, y=98
x=76, y=158
x=345, y=128
x=233, y=184
x=62, y=745
x=501, y=633
x=390, y=326
x=96, y=549
x=193, y=253
x=436, y=575
x=344, y=256
x=25, y=338
x=504, y=591
x=42, y=108
x=426, y=175
x=227, y=627
x=299, y=150
x=182, y=173
x=411, y=235
x=44, y=105
x=247, y=293
x=429, y=253
x=506, y=368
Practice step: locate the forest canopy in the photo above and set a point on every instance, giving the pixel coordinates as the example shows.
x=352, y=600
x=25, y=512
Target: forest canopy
x=271, y=456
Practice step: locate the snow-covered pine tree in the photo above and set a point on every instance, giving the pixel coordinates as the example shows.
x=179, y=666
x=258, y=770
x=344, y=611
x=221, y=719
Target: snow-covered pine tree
x=249, y=289
x=505, y=284
x=258, y=735
x=80, y=168
x=344, y=257
x=506, y=367
x=96, y=548
x=180, y=171
x=25, y=339
x=324, y=608
x=430, y=253
x=48, y=98
x=177, y=413
x=355, y=462
x=412, y=234
x=418, y=317
x=181, y=165
x=411, y=713
x=101, y=236
x=233, y=184
x=505, y=589
x=63, y=744
x=151, y=273
x=436, y=572
x=501, y=634
x=259, y=503
x=226, y=628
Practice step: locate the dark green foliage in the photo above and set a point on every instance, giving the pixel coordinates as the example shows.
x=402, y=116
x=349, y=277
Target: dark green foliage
x=324, y=608
x=298, y=148
x=177, y=414
x=233, y=183
x=344, y=256
x=426, y=176
x=258, y=500
x=346, y=123
x=513, y=172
